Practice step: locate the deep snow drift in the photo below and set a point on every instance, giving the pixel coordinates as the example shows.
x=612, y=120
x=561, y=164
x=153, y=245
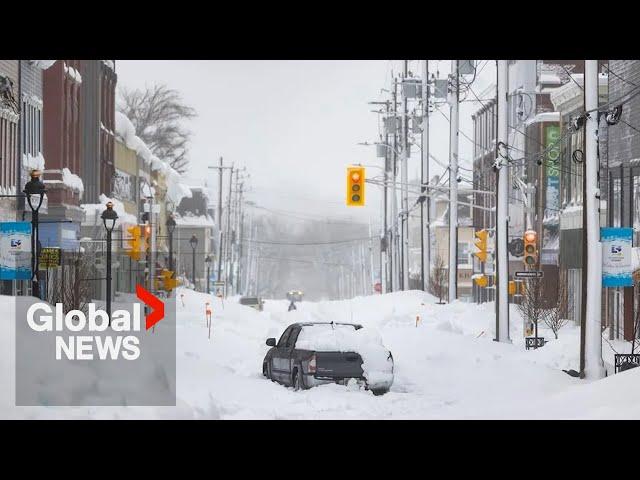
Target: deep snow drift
x=446, y=366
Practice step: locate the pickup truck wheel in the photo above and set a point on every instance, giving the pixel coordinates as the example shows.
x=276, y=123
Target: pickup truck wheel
x=379, y=391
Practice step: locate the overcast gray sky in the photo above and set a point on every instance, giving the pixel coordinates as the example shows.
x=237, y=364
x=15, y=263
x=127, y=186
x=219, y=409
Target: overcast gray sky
x=294, y=125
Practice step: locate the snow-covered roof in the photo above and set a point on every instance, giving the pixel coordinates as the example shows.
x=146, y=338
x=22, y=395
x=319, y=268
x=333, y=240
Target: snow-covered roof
x=73, y=73
x=43, y=64
x=544, y=117
x=194, y=221
x=93, y=211
x=126, y=133
x=33, y=163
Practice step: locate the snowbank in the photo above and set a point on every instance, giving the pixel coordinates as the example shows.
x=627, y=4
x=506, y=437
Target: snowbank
x=446, y=366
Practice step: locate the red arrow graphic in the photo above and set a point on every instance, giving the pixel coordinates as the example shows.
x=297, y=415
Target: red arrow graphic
x=157, y=306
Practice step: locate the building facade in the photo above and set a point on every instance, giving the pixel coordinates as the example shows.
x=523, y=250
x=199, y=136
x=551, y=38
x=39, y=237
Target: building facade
x=97, y=114
x=622, y=175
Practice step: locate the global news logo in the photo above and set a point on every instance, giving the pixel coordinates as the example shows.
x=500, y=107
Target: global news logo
x=110, y=338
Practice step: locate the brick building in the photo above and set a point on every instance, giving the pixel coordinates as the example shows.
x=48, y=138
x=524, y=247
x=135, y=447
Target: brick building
x=622, y=174
x=62, y=149
x=97, y=116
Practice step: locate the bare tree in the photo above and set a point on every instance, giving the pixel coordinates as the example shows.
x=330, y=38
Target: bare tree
x=558, y=315
x=438, y=279
x=531, y=306
x=157, y=113
x=73, y=289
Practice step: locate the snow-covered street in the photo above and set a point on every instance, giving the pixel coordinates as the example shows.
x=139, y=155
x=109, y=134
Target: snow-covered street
x=446, y=367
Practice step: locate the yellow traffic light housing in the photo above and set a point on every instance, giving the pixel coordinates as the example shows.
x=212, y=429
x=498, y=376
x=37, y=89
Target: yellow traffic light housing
x=168, y=282
x=355, y=186
x=481, y=245
x=482, y=281
x=530, y=248
x=134, y=243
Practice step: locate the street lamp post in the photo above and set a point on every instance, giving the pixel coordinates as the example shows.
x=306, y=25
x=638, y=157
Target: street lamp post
x=194, y=243
x=109, y=217
x=171, y=226
x=34, y=188
x=207, y=261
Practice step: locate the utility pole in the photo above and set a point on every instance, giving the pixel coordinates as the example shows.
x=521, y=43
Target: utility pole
x=405, y=182
x=592, y=268
x=388, y=254
x=220, y=169
x=502, y=203
x=227, y=234
x=394, y=195
x=371, y=276
x=425, y=233
x=453, y=180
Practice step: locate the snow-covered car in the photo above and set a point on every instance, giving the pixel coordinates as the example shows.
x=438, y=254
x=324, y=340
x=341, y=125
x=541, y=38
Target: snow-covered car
x=315, y=353
x=253, y=302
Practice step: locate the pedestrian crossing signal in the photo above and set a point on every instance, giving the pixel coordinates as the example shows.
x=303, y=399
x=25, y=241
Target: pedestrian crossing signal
x=355, y=186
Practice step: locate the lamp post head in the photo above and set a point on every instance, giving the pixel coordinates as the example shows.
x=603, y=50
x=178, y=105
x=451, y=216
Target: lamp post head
x=193, y=241
x=109, y=217
x=170, y=224
x=35, y=186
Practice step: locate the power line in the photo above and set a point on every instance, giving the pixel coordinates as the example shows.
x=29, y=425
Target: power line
x=334, y=242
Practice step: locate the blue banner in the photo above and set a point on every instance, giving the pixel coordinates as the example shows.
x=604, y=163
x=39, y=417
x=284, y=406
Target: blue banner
x=15, y=251
x=617, y=270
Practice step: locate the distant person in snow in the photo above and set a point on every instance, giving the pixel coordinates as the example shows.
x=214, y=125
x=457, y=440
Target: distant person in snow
x=292, y=305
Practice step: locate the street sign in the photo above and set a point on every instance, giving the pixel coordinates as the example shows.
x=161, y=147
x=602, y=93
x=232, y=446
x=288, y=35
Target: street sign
x=49, y=258
x=531, y=274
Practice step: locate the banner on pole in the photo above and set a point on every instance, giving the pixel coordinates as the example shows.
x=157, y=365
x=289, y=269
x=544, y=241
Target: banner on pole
x=617, y=268
x=15, y=250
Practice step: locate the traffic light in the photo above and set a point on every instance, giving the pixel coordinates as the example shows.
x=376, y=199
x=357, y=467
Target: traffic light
x=482, y=281
x=166, y=278
x=134, y=243
x=530, y=248
x=481, y=245
x=355, y=186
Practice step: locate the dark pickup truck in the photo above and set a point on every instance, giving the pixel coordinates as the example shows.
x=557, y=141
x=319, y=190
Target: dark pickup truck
x=303, y=368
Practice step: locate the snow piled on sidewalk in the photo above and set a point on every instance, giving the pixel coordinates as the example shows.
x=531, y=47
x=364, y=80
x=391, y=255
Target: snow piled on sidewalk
x=446, y=366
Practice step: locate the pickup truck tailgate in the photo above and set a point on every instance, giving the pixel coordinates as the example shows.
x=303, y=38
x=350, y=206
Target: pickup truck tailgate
x=338, y=365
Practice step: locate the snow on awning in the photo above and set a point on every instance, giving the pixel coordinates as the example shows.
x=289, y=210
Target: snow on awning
x=93, y=211
x=43, y=64
x=194, y=221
